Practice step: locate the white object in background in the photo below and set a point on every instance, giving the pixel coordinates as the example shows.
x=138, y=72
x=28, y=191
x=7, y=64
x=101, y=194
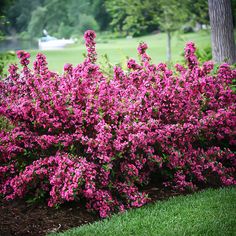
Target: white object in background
x=50, y=43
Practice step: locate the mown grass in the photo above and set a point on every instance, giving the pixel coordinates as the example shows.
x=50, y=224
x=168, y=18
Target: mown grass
x=211, y=212
x=118, y=49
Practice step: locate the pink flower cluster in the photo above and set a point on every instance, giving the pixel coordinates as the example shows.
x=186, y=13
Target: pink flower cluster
x=89, y=38
x=82, y=135
x=24, y=57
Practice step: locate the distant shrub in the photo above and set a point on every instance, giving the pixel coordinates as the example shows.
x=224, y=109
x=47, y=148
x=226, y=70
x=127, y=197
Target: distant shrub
x=86, y=136
x=87, y=22
x=187, y=29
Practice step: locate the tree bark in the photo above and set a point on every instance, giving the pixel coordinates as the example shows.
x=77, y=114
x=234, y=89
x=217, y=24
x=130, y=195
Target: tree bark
x=168, y=54
x=222, y=34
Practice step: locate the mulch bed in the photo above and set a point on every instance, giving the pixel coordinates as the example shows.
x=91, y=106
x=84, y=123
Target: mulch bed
x=23, y=219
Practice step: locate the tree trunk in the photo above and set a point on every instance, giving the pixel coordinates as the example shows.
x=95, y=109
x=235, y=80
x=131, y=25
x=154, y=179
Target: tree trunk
x=168, y=54
x=222, y=34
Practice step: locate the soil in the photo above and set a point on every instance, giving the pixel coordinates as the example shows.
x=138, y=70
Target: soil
x=24, y=219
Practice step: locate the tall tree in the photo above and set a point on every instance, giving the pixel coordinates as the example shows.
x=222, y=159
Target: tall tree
x=134, y=17
x=198, y=12
x=143, y=16
x=62, y=20
x=173, y=15
x=222, y=34
x=100, y=14
x=19, y=14
x=3, y=19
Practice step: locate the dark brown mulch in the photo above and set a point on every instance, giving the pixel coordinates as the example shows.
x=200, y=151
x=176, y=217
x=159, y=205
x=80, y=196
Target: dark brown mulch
x=23, y=219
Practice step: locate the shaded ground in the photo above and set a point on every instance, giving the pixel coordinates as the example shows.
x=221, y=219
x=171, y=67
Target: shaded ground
x=20, y=218
x=23, y=219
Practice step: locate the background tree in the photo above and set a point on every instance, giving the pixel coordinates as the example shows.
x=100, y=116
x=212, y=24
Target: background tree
x=100, y=14
x=129, y=17
x=222, y=34
x=19, y=14
x=37, y=22
x=137, y=17
x=133, y=17
x=198, y=12
x=60, y=18
x=173, y=15
x=3, y=20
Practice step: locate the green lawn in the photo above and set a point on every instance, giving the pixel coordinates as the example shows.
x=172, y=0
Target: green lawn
x=118, y=49
x=211, y=212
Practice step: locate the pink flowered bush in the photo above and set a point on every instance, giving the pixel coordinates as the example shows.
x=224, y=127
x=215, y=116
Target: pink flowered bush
x=84, y=136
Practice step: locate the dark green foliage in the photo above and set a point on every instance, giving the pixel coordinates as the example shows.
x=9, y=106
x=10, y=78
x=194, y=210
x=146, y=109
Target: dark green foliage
x=58, y=17
x=234, y=11
x=72, y=18
x=100, y=14
x=198, y=11
x=143, y=16
x=128, y=17
x=134, y=17
x=19, y=14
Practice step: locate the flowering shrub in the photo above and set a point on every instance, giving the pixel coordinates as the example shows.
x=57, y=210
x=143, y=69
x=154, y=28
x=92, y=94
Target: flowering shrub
x=84, y=136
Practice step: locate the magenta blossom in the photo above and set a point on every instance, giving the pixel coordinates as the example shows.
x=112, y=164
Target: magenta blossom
x=100, y=138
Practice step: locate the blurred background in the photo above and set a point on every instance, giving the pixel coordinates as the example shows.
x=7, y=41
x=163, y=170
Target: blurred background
x=56, y=27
